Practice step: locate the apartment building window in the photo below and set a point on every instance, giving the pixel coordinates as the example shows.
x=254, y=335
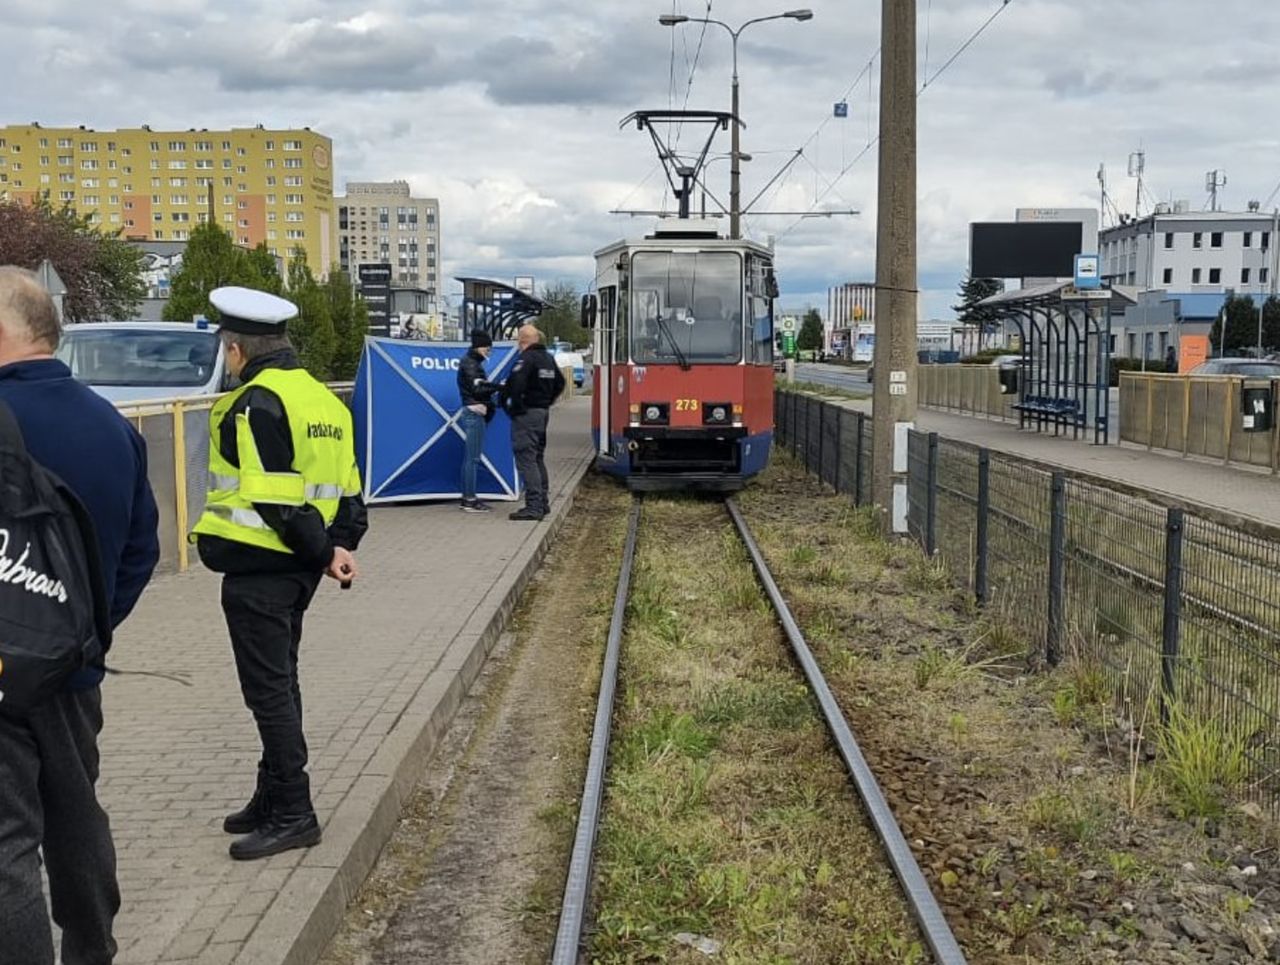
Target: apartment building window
x=1264, y=275
x=204, y=182
x=155, y=182
x=228, y=182
x=158, y=218
x=293, y=199
x=181, y=216
x=242, y=204
x=294, y=216
x=128, y=222
x=1244, y=276
x=272, y=234
x=1215, y=276
x=1266, y=240
x=180, y=235
x=112, y=164
x=90, y=199
x=89, y=147
x=65, y=160
x=271, y=162
x=203, y=217
x=228, y=199
x=226, y=164
x=1197, y=240
x=293, y=145
x=293, y=162
x=126, y=152
x=204, y=146
x=159, y=234
x=241, y=169
x=115, y=218
x=271, y=217
x=113, y=199
x=204, y=164
x=241, y=152
x=90, y=182
x=128, y=206
x=271, y=181
x=242, y=187
x=156, y=199
x=1195, y=276
x=44, y=178
x=177, y=182
x=89, y=165
x=67, y=196
x=63, y=142
x=1248, y=239
x=155, y=145
x=155, y=165
x=1215, y=239
x=228, y=218
x=243, y=223
x=226, y=145
x=177, y=146
x=177, y=165
x=44, y=160
x=293, y=181
x=270, y=145
x=1168, y=240
x=180, y=199
x=296, y=234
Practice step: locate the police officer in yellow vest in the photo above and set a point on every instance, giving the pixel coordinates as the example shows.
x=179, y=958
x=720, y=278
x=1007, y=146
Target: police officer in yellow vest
x=284, y=510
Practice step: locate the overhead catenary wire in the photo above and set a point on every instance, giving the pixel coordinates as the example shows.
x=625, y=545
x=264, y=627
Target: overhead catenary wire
x=871, y=143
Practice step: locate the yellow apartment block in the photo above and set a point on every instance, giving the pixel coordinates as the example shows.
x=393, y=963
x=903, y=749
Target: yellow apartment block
x=272, y=187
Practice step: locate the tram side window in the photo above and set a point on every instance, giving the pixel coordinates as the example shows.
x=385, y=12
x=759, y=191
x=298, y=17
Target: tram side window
x=605, y=318
x=619, y=316
x=761, y=314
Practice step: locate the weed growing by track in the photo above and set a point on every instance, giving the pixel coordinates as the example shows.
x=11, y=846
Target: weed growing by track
x=729, y=816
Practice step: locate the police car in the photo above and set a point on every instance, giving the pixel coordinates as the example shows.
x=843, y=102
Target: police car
x=144, y=361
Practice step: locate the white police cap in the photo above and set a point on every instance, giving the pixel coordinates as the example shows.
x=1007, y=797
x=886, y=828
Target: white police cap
x=251, y=312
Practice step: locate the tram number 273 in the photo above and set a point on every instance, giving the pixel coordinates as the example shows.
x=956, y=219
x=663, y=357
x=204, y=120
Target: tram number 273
x=686, y=405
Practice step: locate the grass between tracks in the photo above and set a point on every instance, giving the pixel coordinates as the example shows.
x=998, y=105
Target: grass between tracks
x=729, y=816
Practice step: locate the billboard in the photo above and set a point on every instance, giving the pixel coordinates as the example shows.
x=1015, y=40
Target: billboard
x=375, y=289
x=1029, y=249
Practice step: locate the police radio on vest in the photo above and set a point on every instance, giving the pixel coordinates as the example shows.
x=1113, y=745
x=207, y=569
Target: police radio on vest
x=439, y=365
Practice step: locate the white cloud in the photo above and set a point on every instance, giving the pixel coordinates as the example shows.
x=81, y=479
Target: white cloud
x=508, y=110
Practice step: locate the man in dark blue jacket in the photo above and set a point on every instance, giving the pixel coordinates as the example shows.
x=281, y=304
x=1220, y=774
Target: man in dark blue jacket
x=49, y=761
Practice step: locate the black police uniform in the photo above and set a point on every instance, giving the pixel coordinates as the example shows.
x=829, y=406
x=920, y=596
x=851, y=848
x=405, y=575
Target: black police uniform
x=534, y=384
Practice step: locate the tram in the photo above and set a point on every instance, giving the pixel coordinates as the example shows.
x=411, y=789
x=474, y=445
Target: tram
x=683, y=352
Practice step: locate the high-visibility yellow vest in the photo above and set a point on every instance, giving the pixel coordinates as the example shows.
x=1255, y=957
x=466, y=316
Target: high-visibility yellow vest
x=324, y=468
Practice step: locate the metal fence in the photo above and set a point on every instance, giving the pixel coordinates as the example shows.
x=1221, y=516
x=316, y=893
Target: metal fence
x=1167, y=603
x=968, y=389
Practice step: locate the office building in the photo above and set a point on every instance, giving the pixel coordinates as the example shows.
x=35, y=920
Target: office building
x=849, y=306
x=272, y=187
x=382, y=223
x=1183, y=263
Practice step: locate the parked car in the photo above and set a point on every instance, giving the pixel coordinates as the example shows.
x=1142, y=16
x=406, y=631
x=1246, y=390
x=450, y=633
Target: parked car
x=141, y=361
x=1244, y=368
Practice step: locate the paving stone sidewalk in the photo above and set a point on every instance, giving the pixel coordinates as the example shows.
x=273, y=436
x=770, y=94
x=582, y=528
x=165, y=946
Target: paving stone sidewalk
x=383, y=667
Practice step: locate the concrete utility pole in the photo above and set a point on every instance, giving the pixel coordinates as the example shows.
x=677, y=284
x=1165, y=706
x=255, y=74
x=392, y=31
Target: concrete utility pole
x=894, y=392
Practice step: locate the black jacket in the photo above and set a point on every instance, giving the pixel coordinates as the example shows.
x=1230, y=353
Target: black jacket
x=535, y=381
x=473, y=385
x=301, y=528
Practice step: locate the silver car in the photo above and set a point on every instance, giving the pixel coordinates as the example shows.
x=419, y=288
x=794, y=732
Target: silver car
x=145, y=361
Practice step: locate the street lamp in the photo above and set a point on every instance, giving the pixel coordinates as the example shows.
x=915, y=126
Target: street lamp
x=735, y=154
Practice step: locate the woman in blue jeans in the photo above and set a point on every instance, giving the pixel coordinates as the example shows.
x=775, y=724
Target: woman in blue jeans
x=477, y=405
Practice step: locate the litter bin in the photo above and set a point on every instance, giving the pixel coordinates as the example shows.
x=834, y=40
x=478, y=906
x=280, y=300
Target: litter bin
x=1257, y=406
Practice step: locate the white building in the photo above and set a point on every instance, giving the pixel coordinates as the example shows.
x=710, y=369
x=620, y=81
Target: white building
x=1183, y=263
x=381, y=222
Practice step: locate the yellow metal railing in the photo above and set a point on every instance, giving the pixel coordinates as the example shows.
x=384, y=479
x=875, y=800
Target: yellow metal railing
x=1196, y=416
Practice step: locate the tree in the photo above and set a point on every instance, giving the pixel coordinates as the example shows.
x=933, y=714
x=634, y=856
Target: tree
x=311, y=331
x=211, y=260
x=1241, y=313
x=103, y=274
x=261, y=270
x=811, y=334
x=349, y=316
x=562, y=319
x=972, y=291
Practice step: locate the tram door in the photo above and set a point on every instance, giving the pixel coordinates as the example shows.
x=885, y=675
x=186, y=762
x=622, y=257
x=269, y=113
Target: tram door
x=605, y=339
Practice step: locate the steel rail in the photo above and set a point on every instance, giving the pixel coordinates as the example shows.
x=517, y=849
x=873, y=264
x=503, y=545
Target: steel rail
x=577, y=887
x=924, y=905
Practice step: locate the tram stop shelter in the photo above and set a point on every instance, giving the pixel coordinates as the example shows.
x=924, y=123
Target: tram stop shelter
x=496, y=308
x=1063, y=380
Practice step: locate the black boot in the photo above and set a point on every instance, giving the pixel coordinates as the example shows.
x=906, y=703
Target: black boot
x=254, y=814
x=291, y=824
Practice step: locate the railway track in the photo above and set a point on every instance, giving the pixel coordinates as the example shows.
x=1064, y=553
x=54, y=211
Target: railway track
x=575, y=905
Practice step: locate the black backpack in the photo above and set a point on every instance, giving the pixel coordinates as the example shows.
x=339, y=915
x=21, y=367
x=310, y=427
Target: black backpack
x=54, y=618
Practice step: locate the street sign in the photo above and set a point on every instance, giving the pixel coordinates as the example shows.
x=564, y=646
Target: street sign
x=1088, y=272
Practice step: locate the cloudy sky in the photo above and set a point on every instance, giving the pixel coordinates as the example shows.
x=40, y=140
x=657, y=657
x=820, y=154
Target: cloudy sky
x=508, y=110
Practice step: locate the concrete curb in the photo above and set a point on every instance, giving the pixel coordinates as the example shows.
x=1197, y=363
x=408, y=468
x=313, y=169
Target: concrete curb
x=306, y=914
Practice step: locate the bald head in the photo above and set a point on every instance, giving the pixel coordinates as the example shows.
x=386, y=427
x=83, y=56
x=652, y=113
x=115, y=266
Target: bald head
x=28, y=320
x=528, y=335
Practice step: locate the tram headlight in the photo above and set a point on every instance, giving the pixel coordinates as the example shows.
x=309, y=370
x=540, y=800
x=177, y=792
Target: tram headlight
x=716, y=413
x=655, y=413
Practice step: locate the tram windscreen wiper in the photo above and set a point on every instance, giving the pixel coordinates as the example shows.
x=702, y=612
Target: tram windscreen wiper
x=675, y=348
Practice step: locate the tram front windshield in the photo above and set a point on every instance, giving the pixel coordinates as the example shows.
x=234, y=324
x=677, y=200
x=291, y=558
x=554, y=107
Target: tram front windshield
x=686, y=307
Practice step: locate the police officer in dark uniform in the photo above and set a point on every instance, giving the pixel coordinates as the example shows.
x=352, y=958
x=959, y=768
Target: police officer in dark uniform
x=284, y=510
x=534, y=384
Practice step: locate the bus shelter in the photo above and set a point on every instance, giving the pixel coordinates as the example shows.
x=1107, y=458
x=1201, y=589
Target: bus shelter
x=1063, y=379
x=496, y=308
